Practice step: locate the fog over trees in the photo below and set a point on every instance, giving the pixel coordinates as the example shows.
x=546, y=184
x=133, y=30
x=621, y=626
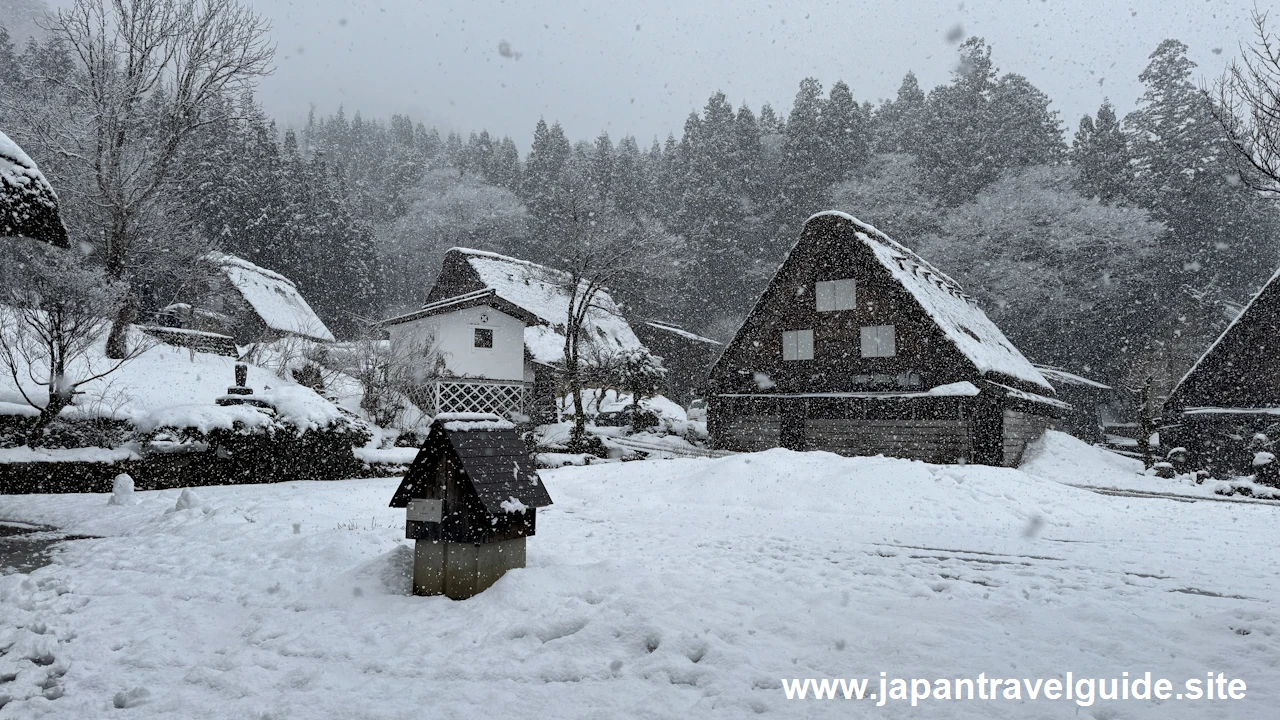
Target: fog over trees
x=1113, y=245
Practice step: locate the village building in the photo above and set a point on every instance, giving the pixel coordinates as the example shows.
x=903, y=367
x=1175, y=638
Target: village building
x=541, y=292
x=687, y=357
x=1093, y=404
x=247, y=303
x=1226, y=408
x=861, y=347
x=472, y=347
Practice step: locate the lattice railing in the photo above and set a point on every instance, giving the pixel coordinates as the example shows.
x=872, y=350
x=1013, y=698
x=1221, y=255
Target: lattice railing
x=473, y=396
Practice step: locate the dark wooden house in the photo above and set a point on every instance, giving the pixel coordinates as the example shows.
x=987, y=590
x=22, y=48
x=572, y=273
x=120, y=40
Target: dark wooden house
x=471, y=498
x=861, y=347
x=1227, y=407
x=249, y=303
x=687, y=356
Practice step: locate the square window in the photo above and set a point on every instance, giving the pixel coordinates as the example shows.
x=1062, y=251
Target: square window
x=879, y=341
x=797, y=345
x=483, y=338
x=833, y=295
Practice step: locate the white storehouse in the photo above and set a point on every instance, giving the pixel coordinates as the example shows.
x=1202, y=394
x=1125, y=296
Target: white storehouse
x=473, y=350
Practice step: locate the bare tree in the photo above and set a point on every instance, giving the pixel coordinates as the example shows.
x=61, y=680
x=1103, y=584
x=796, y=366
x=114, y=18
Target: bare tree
x=1246, y=102
x=391, y=374
x=593, y=250
x=149, y=74
x=54, y=307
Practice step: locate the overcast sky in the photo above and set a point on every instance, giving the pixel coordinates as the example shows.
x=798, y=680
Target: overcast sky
x=639, y=67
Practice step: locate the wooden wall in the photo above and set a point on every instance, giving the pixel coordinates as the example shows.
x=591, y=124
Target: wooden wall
x=936, y=441
x=1020, y=429
x=932, y=429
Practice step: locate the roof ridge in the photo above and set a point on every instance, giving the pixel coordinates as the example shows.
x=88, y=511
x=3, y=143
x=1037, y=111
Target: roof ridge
x=227, y=259
x=458, y=298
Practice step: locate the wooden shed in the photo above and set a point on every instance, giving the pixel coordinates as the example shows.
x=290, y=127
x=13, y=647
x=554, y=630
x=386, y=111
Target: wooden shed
x=471, y=498
x=1227, y=407
x=249, y=303
x=861, y=347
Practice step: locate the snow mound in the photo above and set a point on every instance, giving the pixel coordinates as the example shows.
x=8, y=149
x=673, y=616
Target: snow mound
x=188, y=500
x=122, y=491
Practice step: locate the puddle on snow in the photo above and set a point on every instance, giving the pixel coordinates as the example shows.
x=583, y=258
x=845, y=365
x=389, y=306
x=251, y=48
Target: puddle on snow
x=25, y=547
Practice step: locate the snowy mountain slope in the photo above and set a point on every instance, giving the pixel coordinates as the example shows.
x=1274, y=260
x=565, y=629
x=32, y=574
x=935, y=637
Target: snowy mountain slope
x=672, y=589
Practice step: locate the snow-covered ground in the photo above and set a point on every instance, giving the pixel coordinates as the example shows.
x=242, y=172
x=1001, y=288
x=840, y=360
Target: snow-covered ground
x=680, y=588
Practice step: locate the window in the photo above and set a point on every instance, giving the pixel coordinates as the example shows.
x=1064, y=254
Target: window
x=835, y=295
x=483, y=338
x=879, y=341
x=797, y=345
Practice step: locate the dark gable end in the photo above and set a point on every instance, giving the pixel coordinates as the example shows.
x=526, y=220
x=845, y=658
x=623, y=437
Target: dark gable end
x=829, y=249
x=901, y=362
x=1241, y=369
x=456, y=277
x=495, y=463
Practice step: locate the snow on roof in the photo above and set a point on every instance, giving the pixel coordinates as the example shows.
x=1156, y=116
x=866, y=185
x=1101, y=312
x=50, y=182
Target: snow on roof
x=945, y=302
x=964, y=388
x=534, y=288
x=18, y=169
x=273, y=297
x=1032, y=397
x=1231, y=411
x=26, y=197
x=487, y=296
x=472, y=422
x=677, y=330
x=1056, y=375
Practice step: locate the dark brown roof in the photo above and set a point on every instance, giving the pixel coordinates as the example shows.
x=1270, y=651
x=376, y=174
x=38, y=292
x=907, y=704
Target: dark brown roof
x=1240, y=368
x=494, y=460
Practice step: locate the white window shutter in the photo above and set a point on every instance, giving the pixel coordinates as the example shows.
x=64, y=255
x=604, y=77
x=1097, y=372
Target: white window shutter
x=797, y=344
x=825, y=292
x=832, y=295
x=845, y=295
x=879, y=341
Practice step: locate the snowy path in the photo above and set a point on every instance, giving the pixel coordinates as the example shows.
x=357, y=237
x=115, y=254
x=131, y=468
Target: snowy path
x=682, y=588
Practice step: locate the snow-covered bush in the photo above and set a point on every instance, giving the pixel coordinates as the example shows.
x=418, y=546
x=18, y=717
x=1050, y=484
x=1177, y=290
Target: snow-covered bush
x=293, y=435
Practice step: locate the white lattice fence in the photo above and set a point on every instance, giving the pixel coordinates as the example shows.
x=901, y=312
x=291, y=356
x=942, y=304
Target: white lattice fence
x=500, y=398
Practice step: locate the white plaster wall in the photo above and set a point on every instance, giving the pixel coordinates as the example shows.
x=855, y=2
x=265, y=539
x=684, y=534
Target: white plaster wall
x=454, y=339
